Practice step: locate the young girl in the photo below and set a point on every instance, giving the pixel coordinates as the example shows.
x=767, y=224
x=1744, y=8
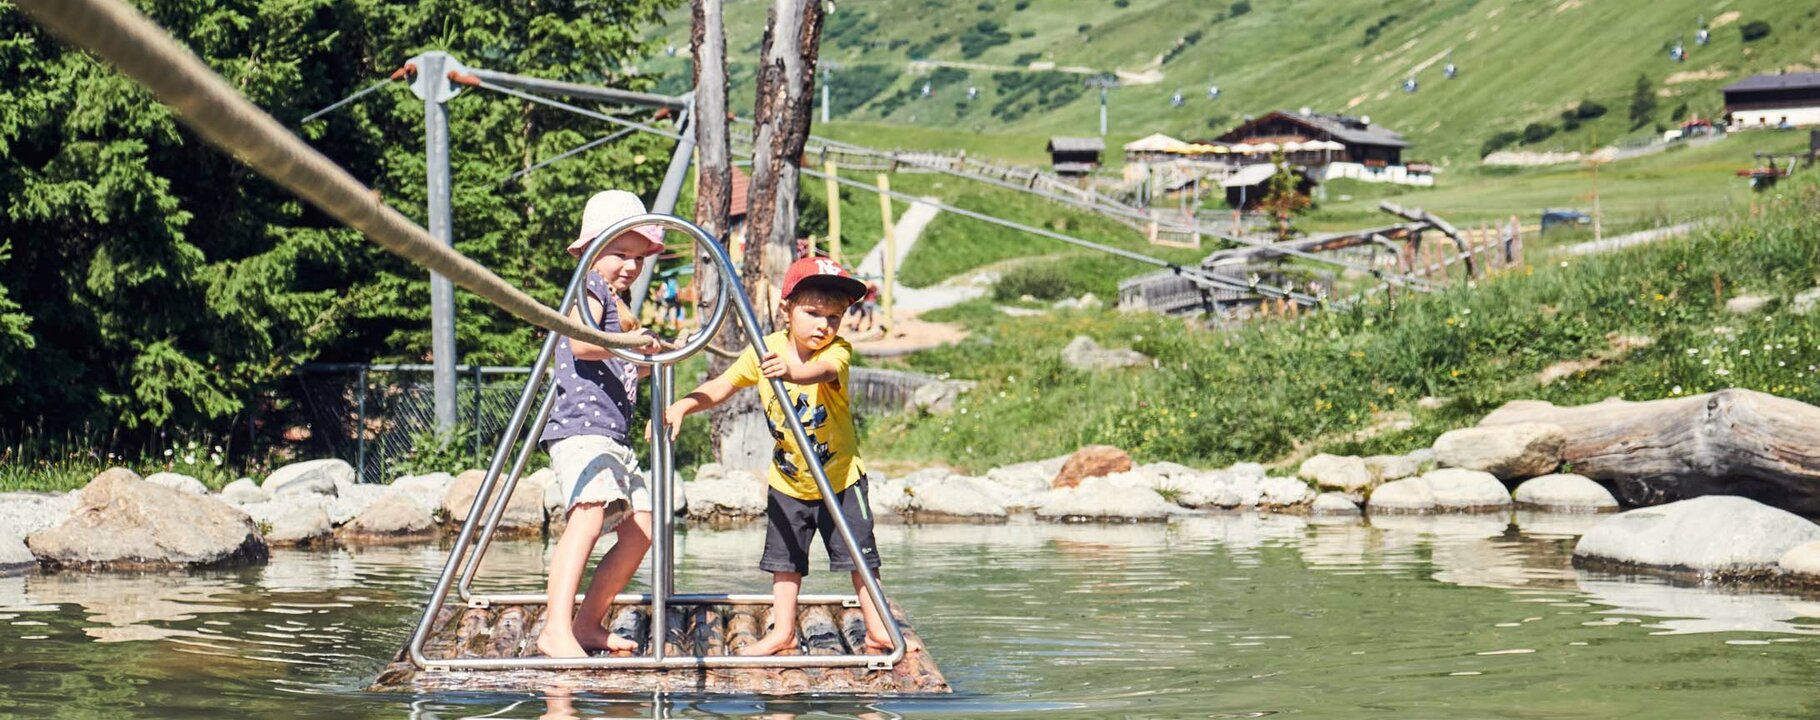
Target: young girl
x=601, y=484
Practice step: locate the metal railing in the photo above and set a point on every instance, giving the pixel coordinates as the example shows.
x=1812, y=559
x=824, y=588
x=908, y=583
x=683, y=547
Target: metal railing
x=491, y=504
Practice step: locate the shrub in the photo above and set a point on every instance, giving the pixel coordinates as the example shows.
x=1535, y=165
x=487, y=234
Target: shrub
x=1041, y=280
x=986, y=7
x=1239, y=8
x=1499, y=141
x=1121, y=3
x=983, y=36
x=1537, y=132
x=855, y=85
x=1021, y=5
x=1754, y=30
x=1642, y=102
x=1083, y=28
x=1377, y=28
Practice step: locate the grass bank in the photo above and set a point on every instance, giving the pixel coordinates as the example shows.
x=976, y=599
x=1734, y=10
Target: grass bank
x=1265, y=390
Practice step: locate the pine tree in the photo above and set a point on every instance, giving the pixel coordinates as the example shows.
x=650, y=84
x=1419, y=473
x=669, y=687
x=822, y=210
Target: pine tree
x=1642, y=103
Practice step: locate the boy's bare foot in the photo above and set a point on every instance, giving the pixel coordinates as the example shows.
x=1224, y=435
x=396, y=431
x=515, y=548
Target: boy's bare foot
x=594, y=638
x=558, y=644
x=771, y=644
x=881, y=644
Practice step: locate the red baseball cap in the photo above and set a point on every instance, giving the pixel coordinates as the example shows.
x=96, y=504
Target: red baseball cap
x=821, y=272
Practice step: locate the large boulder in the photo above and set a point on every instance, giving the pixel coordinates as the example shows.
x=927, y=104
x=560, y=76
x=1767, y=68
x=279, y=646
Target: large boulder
x=244, y=492
x=1445, y=490
x=1565, y=493
x=123, y=522
x=1284, y=493
x=727, y=495
x=1333, y=503
x=1519, y=450
x=524, y=511
x=1029, y=477
x=1802, y=561
x=427, y=489
x=353, y=499
x=394, y=517
x=1385, y=468
x=314, y=476
x=1344, y=473
x=293, y=518
x=1101, y=499
x=1091, y=461
x=23, y=513
x=1712, y=537
x=1082, y=353
x=947, y=498
x=179, y=482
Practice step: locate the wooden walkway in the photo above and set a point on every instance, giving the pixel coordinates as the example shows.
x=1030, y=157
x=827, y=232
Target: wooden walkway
x=511, y=632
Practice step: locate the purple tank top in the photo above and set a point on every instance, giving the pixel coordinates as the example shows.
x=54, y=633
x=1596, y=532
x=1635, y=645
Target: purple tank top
x=593, y=397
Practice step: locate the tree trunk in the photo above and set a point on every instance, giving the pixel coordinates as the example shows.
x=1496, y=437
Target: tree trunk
x=792, y=40
x=1731, y=442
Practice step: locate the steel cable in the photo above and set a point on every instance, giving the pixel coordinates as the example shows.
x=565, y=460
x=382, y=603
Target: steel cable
x=206, y=103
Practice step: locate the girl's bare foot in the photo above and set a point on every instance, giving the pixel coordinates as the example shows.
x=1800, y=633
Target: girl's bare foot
x=771, y=644
x=602, y=639
x=881, y=644
x=559, y=644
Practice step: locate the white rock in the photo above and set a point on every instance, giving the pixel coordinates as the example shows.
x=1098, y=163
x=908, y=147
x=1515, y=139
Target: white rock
x=1284, y=492
x=353, y=500
x=1424, y=458
x=938, y=397
x=436, y=483
x=23, y=513
x=710, y=471
x=1805, y=301
x=1345, y=473
x=1409, y=495
x=395, y=515
x=1517, y=450
x=952, y=496
x=1250, y=470
x=315, y=476
x=179, y=482
x=1745, y=304
x=524, y=510
x=292, y=518
x=244, y=492
x=1333, y=503
x=1704, y=535
x=1082, y=353
x=1393, y=467
x=1098, y=499
x=1565, y=492
x=1803, y=559
x=732, y=494
x=1168, y=469
x=1457, y=490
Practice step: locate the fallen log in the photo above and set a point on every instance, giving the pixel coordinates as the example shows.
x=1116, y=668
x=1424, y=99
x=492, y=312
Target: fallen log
x=1730, y=442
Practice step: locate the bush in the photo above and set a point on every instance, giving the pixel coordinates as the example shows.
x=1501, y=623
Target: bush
x=983, y=36
x=1021, y=5
x=1537, y=132
x=1589, y=110
x=1042, y=280
x=1121, y=3
x=1026, y=58
x=855, y=85
x=1239, y=8
x=986, y=7
x=1083, y=28
x=1377, y=28
x=1754, y=30
x=1498, y=142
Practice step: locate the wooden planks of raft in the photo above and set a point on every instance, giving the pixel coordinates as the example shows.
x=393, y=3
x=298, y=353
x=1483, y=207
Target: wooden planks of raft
x=511, y=631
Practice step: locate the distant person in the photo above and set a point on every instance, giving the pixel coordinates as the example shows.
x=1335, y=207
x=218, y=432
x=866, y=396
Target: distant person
x=670, y=303
x=811, y=358
x=602, y=487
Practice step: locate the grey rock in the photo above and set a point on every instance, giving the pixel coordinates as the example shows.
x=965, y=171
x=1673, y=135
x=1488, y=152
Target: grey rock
x=179, y=482
x=120, y=522
x=352, y=500
x=524, y=511
x=953, y=496
x=293, y=518
x=710, y=471
x=23, y=513
x=1424, y=458
x=1409, y=495
x=1565, y=493
x=1430, y=402
x=1345, y=473
x=1082, y=353
x=244, y=492
x=1746, y=304
x=1281, y=493
x=1516, y=450
x=938, y=397
x=731, y=495
x=314, y=476
x=393, y=516
x=1446, y=490
x=1333, y=503
x=1250, y=470
x=1102, y=499
x=1706, y=536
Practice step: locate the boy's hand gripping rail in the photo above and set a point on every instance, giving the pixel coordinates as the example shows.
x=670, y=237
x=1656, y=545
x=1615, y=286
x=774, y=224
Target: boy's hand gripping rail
x=663, y=591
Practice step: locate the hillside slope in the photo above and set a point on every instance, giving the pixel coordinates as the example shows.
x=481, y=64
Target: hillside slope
x=1521, y=62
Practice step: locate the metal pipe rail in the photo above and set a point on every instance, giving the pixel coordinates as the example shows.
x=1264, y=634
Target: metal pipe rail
x=492, y=498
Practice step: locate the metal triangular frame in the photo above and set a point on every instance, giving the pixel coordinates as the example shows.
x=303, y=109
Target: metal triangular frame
x=493, y=496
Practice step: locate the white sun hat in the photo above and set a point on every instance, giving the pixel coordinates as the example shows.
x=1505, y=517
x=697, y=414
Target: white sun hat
x=609, y=207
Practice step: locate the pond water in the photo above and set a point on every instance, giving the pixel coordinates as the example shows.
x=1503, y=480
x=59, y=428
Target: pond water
x=1210, y=616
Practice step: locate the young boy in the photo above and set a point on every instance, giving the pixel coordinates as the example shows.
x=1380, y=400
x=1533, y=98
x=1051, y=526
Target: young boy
x=586, y=437
x=811, y=359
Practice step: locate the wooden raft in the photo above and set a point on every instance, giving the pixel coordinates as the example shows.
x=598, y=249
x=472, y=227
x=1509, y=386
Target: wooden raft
x=511, y=631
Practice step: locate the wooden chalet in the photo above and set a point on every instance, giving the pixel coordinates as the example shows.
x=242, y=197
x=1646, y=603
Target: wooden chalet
x=1075, y=156
x=1366, y=144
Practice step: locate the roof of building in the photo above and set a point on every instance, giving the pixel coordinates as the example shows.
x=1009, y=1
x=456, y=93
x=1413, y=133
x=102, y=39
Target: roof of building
x=1250, y=175
x=1076, y=144
x=1344, y=128
x=1785, y=81
x=741, y=184
x=1157, y=143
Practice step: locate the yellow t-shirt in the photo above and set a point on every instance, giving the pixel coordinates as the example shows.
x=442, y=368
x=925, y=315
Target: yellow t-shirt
x=825, y=411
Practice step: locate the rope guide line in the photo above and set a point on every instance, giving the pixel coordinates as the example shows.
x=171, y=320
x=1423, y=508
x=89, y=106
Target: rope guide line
x=206, y=103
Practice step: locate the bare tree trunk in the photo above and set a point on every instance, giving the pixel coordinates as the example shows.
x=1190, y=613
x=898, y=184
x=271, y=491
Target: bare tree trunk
x=781, y=118
x=737, y=428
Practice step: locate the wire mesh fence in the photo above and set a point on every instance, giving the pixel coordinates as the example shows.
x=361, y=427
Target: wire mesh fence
x=373, y=416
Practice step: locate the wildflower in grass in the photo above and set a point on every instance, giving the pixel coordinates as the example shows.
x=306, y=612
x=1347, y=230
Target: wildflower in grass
x=167, y=452
x=1676, y=390
x=1745, y=351
x=189, y=459
x=1693, y=351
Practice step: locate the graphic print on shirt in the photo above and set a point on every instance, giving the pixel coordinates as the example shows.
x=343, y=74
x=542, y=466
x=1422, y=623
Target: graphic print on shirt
x=812, y=418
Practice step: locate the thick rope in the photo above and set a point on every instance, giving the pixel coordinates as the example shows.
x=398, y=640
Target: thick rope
x=208, y=105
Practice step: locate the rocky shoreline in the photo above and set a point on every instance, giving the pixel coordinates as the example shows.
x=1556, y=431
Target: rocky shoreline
x=122, y=521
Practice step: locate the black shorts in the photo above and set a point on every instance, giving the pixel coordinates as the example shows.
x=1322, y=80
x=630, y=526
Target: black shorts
x=791, y=524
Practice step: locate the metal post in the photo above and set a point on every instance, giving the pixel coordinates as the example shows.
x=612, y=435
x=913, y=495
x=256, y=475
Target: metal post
x=665, y=203
x=833, y=170
x=479, y=378
x=432, y=84
x=884, y=201
x=661, y=516
x=1102, y=112
x=360, y=428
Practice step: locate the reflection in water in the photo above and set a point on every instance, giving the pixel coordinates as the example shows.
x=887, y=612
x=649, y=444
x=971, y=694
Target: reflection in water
x=1223, y=615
